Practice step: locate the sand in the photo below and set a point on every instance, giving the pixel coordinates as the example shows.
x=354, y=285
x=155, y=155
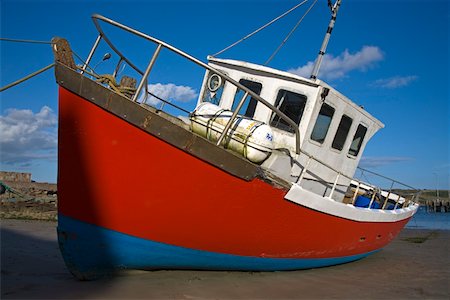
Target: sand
x=32, y=268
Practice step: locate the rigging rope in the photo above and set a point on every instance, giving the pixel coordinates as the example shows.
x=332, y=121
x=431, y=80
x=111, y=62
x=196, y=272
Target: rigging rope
x=106, y=79
x=25, y=41
x=84, y=63
x=289, y=34
x=261, y=28
x=9, y=189
x=38, y=71
x=27, y=77
x=32, y=74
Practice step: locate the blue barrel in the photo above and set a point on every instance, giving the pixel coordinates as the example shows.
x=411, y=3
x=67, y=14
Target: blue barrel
x=362, y=201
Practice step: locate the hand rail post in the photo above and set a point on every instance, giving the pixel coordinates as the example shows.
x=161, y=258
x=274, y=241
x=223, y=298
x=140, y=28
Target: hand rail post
x=230, y=122
x=414, y=197
x=356, y=193
x=94, y=47
x=387, y=196
x=406, y=204
x=374, y=193
x=302, y=174
x=396, y=202
x=334, y=185
x=146, y=73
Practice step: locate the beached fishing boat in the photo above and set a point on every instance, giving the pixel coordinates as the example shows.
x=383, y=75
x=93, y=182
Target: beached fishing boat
x=258, y=177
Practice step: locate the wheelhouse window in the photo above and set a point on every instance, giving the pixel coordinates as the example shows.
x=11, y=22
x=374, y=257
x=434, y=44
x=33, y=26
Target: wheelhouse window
x=323, y=122
x=249, y=107
x=357, y=140
x=292, y=105
x=342, y=132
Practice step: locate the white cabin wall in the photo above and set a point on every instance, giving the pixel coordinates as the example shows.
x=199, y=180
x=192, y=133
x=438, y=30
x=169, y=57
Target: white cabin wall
x=339, y=160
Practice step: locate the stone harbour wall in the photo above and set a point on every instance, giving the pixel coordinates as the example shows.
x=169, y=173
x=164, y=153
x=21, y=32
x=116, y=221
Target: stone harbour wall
x=15, y=176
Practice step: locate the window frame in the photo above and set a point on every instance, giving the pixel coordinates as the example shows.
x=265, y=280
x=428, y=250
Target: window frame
x=328, y=127
x=238, y=90
x=273, y=115
x=361, y=141
x=347, y=133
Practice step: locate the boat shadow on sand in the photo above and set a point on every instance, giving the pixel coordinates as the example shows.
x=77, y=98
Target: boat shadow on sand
x=32, y=267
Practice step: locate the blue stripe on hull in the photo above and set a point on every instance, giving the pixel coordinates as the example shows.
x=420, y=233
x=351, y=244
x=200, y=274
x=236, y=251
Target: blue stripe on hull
x=90, y=251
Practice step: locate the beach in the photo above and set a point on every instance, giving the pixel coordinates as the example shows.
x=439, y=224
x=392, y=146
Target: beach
x=416, y=265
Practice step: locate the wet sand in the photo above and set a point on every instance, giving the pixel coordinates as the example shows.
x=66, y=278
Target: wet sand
x=32, y=268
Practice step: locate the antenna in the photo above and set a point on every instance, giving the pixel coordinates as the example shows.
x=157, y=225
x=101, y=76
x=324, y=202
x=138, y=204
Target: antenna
x=334, y=11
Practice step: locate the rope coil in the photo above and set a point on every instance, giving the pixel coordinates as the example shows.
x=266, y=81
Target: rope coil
x=110, y=80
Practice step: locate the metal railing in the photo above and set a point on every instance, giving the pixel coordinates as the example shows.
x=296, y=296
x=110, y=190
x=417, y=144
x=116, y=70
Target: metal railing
x=414, y=192
x=376, y=192
x=247, y=92
x=160, y=45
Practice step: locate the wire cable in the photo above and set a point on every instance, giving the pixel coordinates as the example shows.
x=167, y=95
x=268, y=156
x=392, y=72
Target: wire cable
x=25, y=41
x=27, y=77
x=289, y=34
x=261, y=28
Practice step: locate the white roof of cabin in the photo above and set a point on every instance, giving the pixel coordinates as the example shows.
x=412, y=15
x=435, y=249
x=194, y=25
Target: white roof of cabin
x=263, y=69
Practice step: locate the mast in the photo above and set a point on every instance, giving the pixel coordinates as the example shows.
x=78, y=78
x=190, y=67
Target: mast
x=334, y=10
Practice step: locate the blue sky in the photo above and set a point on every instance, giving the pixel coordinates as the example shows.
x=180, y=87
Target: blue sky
x=392, y=57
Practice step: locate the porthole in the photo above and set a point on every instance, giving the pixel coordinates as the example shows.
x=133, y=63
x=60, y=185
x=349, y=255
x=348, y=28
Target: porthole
x=214, y=82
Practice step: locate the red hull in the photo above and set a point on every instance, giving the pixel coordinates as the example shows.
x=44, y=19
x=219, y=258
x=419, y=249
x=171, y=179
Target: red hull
x=115, y=175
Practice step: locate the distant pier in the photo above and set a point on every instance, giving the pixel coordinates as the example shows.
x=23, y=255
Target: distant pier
x=438, y=205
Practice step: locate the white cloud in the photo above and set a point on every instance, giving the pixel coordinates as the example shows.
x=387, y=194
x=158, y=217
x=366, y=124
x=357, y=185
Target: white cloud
x=26, y=136
x=373, y=162
x=395, y=82
x=337, y=67
x=170, y=92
